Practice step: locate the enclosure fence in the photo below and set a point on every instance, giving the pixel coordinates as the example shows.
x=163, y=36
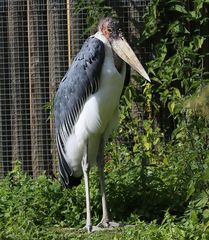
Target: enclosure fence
x=38, y=40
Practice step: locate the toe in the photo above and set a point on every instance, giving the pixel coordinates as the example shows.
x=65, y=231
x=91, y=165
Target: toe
x=108, y=224
x=103, y=224
x=89, y=228
x=115, y=224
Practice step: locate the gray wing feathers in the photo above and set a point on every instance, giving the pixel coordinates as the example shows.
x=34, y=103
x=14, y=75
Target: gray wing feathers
x=80, y=81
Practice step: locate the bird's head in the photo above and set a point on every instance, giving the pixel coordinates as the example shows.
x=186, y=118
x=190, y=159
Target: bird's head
x=110, y=28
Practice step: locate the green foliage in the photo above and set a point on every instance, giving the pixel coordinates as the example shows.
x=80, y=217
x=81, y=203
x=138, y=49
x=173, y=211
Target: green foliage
x=169, y=149
x=178, y=31
x=177, y=135
x=41, y=209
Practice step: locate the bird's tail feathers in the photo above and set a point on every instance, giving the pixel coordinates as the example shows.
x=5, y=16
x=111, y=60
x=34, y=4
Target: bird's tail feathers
x=66, y=175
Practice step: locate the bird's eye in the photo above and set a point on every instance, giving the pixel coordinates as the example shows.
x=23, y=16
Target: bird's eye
x=109, y=30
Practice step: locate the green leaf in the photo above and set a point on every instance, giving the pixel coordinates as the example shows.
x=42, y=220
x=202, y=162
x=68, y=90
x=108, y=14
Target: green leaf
x=136, y=148
x=206, y=214
x=198, y=4
x=177, y=27
x=203, y=201
x=179, y=8
x=177, y=92
x=191, y=189
x=155, y=79
x=195, y=14
x=198, y=41
x=171, y=106
x=146, y=143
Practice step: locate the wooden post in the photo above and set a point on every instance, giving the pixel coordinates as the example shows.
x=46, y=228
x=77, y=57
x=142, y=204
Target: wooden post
x=18, y=68
x=58, y=56
x=5, y=126
x=69, y=30
x=38, y=86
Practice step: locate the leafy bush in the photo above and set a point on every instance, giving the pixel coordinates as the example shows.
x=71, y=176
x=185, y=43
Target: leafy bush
x=41, y=209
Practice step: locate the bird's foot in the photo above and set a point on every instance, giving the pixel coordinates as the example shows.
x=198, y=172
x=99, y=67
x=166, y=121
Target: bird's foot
x=104, y=224
x=88, y=228
x=107, y=224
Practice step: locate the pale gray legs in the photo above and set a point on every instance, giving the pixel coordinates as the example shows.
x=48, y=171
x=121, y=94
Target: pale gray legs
x=105, y=223
x=86, y=168
x=100, y=162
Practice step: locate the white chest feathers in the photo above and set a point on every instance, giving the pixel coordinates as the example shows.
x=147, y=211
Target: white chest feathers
x=99, y=109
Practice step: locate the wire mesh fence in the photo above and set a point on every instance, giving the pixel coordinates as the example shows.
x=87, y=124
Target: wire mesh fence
x=38, y=40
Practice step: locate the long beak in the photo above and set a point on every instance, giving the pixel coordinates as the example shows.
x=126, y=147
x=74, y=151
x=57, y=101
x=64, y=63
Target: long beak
x=124, y=51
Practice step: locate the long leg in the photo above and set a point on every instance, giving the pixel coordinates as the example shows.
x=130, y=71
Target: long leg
x=86, y=168
x=100, y=161
x=105, y=222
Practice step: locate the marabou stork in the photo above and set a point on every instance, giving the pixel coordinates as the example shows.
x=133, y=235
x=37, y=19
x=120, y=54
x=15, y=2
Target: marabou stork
x=86, y=107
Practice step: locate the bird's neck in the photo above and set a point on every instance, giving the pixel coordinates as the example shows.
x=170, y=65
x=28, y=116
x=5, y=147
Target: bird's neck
x=99, y=35
x=118, y=62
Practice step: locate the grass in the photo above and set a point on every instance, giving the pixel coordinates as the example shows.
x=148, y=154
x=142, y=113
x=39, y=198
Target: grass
x=70, y=233
x=41, y=209
x=141, y=231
